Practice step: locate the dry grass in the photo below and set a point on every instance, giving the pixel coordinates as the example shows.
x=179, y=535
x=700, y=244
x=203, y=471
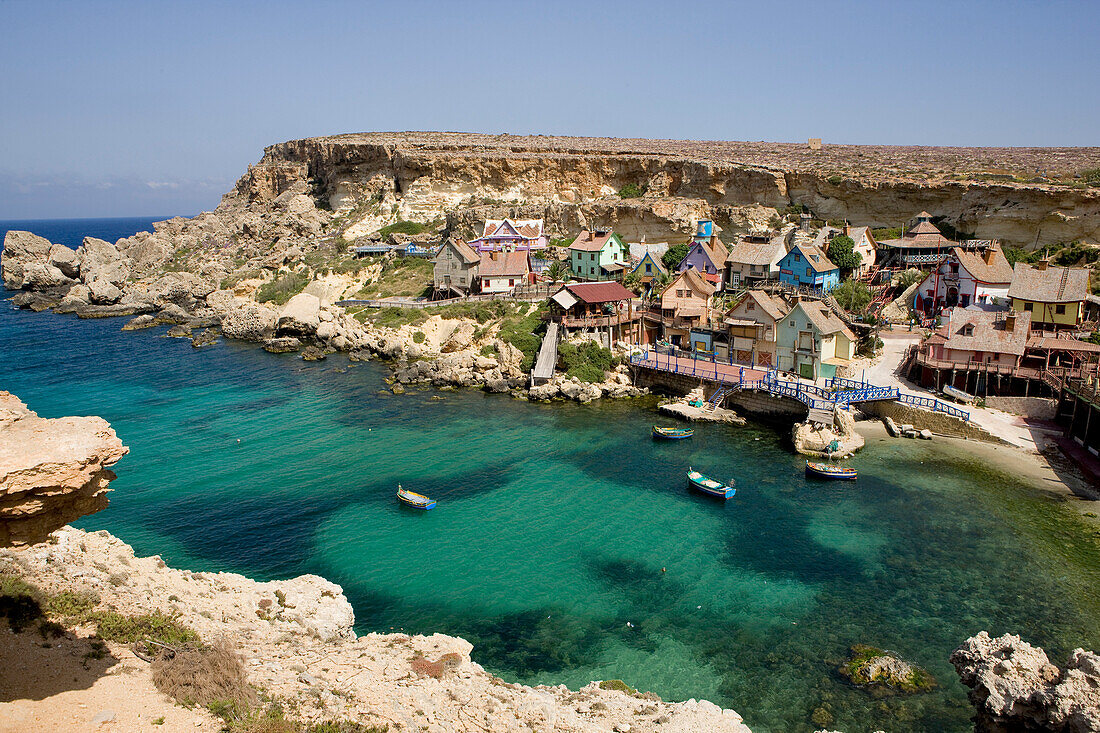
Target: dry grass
x=425, y=668
x=211, y=676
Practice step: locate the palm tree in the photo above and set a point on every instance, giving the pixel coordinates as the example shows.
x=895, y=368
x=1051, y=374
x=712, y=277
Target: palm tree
x=557, y=271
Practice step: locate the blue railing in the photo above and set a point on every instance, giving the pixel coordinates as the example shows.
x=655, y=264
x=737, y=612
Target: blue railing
x=837, y=392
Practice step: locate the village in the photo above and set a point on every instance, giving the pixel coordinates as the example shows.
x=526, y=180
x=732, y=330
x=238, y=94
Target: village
x=831, y=309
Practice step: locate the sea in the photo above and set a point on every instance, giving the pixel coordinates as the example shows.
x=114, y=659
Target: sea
x=565, y=545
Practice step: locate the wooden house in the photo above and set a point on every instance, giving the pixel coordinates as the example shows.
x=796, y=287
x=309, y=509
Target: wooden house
x=685, y=304
x=807, y=266
x=964, y=278
x=707, y=255
x=813, y=342
x=598, y=255
x=754, y=259
x=604, y=308
x=502, y=272
x=456, y=268
x=752, y=326
x=649, y=268
x=500, y=235
x=1054, y=296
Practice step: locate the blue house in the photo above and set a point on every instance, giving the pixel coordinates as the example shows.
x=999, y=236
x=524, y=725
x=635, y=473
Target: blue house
x=807, y=265
x=707, y=254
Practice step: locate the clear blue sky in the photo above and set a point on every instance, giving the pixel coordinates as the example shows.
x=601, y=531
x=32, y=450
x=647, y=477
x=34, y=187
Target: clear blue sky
x=146, y=108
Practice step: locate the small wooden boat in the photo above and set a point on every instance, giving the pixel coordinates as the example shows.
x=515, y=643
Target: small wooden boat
x=827, y=470
x=709, y=486
x=958, y=395
x=413, y=499
x=672, y=433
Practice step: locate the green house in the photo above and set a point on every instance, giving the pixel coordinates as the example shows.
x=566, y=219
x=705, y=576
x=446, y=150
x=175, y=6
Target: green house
x=598, y=255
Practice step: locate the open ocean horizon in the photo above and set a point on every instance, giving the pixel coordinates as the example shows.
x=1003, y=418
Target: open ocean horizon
x=565, y=545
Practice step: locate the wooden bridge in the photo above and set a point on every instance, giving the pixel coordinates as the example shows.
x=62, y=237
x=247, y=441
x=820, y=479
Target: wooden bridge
x=837, y=393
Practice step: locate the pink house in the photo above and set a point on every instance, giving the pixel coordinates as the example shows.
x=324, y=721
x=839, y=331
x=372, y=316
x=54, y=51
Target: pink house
x=505, y=235
x=980, y=337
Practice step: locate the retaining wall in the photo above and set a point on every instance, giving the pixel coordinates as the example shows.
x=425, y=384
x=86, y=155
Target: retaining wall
x=1041, y=408
x=937, y=422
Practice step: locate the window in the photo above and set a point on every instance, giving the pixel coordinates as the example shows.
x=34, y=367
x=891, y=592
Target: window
x=968, y=330
x=955, y=268
x=808, y=273
x=751, y=306
x=511, y=282
x=648, y=268
x=1060, y=310
x=792, y=324
x=1029, y=307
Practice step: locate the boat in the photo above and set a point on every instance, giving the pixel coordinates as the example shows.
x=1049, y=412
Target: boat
x=709, y=486
x=827, y=470
x=958, y=395
x=413, y=499
x=672, y=433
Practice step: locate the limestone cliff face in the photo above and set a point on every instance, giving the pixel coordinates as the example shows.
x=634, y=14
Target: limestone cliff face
x=572, y=182
x=52, y=472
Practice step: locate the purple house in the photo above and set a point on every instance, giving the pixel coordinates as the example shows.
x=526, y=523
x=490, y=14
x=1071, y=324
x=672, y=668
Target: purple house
x=707, y=255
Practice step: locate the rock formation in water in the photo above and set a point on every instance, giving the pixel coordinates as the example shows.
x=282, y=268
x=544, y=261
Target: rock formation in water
x=52, y=472
x=1015, y=687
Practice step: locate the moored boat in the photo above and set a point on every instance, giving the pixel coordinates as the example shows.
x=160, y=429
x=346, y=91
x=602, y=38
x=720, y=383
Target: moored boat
x=827, y=470
x=672, y=433
x=413, y=499
x=709, y=486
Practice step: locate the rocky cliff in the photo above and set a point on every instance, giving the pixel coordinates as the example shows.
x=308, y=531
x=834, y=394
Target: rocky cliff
x=52, y=472
x=1015, y=687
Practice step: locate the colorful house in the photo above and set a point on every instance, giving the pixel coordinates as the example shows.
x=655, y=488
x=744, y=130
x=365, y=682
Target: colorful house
x=806, y=265
x=707, y=254
x=813, y=342
x=649, y=268
x=965, y=278
x=502, y=272
x=866, y=247
x=598, y=255
x=976, y=337
x=501, y=235
x=604, y=309
x=753, y=259
x=685, y=303
x=1054, y=296
x=456, y=268
x=920, y=246
x=752, y=326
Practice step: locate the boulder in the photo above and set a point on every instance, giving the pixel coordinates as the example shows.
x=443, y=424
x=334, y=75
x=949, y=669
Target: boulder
x=207, y=338
x=65, y=259
x=34, y=301
x=139, y=322
x=180, y=288
x=95, y=253
x=248, y=322
x=1014, y=686
x=20, y=250
x=313, y=353
x=172, y=314
x=103, y=292
x=147, y=254
x=116, y=273
x=300, y=316
x=221, y=300
x=282, y=345
x=179, y=332
x=461, y=338
x=75, y=298
x=42, y=276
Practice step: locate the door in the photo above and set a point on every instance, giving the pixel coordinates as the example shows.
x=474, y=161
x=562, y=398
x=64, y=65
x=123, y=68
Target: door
x=806, y=370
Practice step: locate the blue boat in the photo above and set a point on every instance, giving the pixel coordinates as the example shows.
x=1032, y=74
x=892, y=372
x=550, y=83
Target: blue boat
x=828, y=470
x=672, y=433
x=413, y=499
x=709, y=486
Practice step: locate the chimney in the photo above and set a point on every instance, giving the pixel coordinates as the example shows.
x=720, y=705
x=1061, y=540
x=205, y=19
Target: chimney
x=1010, y=322
x=988, y=256
x=1042, y=264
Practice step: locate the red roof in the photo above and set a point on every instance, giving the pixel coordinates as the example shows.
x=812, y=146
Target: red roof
x=603, y=292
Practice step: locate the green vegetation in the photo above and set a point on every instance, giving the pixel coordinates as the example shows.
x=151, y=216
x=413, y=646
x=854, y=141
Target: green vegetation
x=402, y=226
x=557, y=271
x=853, y=296
x=909, y=277
x=158, y=626
x=393, y=317
x=835, y=179
x=564, y=242
x=20, y=602
x=418, y=337
x=403, y=276
x=633, y=191
x=858, y=670
x=1091, y=176
x=588, y=362
x=675, y=255
x=73, y=605
x=617, y=685
x=843, y=254
x=887, y=233
x=230, y=281
x=282, y=288
x=519, y=331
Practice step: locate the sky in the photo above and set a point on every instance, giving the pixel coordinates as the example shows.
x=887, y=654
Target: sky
x=156, y=108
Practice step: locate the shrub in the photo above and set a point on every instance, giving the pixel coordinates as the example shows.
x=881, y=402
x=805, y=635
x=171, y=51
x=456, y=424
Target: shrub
x=72, y=604
x=425, y=668
x=396, y=317
x=418, y=337
x=20, y=602
x=588, y=362
x=617, y=685
x=1091, y=176
x=212, y=677
x=282, y=288
x=675, y=255
x=632, y=191
x=853, y=296
x=835, y=179
x=403, y=227
x=886, y=233
x=521, y=333
x=158, y=626
x=843, y=255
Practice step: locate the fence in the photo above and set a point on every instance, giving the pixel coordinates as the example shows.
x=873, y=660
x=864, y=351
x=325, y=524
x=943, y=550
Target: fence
x=928, y=403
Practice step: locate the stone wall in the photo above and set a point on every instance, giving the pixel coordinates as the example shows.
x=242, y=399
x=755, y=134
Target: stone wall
x=768, y=406
x=1041, y=408
x=937, y=422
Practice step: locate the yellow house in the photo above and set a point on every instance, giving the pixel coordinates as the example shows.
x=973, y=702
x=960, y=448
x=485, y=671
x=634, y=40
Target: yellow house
x=685, y=303
x=1054, y=296
x=813, y=341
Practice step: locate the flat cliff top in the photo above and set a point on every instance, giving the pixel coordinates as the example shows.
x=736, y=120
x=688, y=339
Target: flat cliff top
x=916, y=162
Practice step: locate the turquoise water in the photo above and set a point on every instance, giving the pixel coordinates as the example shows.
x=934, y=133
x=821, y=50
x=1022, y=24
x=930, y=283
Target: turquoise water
x=565, y=546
